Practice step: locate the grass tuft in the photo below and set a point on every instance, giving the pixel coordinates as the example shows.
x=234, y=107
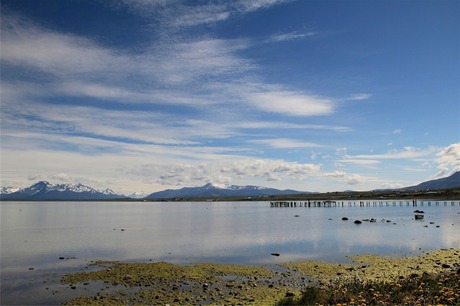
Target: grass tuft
x=442, y=289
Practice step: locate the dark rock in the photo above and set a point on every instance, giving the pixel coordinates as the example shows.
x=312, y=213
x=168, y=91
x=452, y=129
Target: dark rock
x=350, y=269
x=419, y=217
x=289, y=294
x=296, y=216
x=419, y=211
x=445, y=266
x=275, y=254
x=345, y=219
x=358, y=222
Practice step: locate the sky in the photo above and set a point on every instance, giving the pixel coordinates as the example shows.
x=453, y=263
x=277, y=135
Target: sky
x=147, y=95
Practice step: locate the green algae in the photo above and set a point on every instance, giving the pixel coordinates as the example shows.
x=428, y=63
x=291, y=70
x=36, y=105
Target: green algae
x=379, y=268
x=164, y=283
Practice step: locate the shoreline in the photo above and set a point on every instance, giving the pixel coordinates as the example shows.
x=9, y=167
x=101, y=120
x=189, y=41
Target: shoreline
x=161, y=283
x=391, y=194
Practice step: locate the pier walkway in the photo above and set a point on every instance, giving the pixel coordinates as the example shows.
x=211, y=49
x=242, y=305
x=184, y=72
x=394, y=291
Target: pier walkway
x=364, y=203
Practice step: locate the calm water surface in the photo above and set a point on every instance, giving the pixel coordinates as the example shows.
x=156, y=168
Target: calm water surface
x=35, y=235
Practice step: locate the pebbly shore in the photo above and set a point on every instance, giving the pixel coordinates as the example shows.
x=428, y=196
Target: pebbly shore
x=162, y=283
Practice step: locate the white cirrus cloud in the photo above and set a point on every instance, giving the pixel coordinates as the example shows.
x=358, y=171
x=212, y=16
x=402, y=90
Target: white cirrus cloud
x=178, y=14
x=291, y=36
x=285, y=143
x=27, y=44
x=406, y=153
x=359, y=97
x=292, y=103
x=364, y=162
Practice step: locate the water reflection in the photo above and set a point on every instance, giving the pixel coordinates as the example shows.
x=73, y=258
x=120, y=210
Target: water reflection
x=37, y=234
x=184, y=232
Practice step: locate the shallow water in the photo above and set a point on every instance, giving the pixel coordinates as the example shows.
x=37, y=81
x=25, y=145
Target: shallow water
x=35, y=236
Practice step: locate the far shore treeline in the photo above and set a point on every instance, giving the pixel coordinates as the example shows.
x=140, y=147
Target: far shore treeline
x=440, y=194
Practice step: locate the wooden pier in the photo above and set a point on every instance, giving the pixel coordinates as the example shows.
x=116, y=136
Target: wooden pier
x=363, y=203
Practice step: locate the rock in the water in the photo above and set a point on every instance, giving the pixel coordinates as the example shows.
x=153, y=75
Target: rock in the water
x=419, y=217
x=358, y=222
x=345, y=219
x=275, y=254
x=445, y=266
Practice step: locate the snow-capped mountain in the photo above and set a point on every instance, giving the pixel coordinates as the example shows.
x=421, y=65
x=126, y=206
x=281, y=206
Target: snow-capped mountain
x=8, y=190
x=109, y=191
x=137, y=195
x=44, y=190
x=214, y=190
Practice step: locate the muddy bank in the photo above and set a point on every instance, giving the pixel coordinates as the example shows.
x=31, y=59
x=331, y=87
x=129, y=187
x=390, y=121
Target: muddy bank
x=163, y=283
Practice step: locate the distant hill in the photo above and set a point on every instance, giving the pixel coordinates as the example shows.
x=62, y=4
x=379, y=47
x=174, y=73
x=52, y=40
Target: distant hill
x=452, y=181
x=212, y=191
x=46, y=191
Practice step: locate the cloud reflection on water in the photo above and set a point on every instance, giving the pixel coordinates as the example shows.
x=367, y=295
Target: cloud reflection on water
x=220, y=232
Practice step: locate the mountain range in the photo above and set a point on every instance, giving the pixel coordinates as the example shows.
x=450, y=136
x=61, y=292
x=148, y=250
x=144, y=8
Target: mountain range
x=46, y=191
x=452, y=181
x=214, y=191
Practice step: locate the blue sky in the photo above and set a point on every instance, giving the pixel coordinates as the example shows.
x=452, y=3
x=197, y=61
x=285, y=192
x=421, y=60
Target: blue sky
x=311, y=95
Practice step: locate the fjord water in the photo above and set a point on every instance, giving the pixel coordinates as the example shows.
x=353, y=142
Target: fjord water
x=44, y=239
